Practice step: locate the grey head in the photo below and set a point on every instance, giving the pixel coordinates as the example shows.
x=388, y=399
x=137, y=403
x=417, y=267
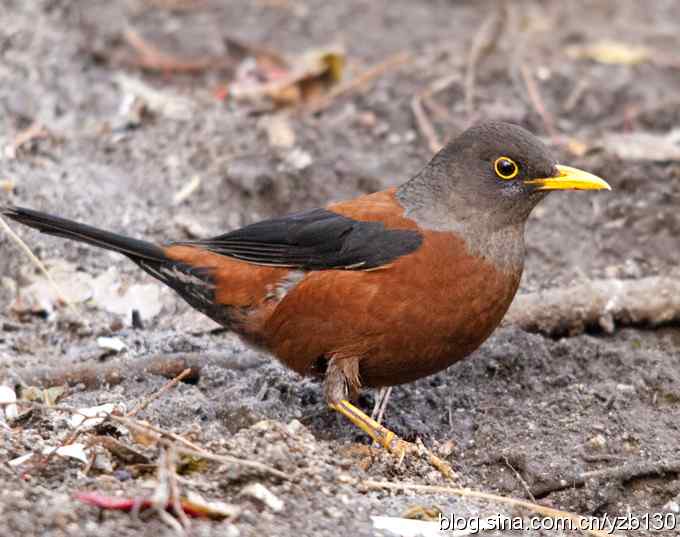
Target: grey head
x=484, y=184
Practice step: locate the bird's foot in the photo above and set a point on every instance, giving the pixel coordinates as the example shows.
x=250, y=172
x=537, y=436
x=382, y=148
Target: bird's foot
x=389, y=440
x=404, y=448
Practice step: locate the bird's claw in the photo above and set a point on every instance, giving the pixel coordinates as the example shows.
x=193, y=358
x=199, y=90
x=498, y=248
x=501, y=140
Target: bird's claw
x=401, y=448
x=391, y=442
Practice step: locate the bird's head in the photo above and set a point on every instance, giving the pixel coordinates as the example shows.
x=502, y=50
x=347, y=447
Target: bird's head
x=502, y=171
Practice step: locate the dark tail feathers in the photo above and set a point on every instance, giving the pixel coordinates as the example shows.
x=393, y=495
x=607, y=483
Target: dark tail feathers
x=53, y=225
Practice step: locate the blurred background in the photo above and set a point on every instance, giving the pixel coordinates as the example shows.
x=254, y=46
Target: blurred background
x=273, y=106
x=175, y=119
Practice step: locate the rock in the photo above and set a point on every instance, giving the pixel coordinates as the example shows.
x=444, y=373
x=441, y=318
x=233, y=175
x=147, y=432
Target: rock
x=264, y=495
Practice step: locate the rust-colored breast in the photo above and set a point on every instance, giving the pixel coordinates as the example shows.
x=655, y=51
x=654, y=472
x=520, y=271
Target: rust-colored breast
x=417, y=316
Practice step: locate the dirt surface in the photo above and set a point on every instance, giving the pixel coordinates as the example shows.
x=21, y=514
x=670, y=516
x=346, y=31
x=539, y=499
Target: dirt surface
x=522, y=412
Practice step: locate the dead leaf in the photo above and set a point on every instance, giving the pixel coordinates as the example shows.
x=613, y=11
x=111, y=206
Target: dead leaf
x=87, y=418
x=215, y=509
x=302, y=78
x=192, y=505
x=48, y=396
x=423, y=512
x=40, y=296
x=111, y=295
x=143, y=437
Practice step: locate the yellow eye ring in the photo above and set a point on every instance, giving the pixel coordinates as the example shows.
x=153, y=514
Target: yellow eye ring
x=506, y=168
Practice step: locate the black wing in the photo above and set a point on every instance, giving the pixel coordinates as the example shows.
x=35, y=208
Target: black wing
x=314, y=240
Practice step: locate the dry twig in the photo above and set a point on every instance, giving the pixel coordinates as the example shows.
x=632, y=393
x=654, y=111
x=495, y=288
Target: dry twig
x=423, y=122
x=44, y=460
x=483, y=44
x=167, y=493
x=381, y=404
x=519, y=478
x=600, y=304
x=189, y=448
x=151, y=58
x=35, y=131
x=34, y=259
x=166, y=387
x=425, y=126
x=537, y=102
x=187, y=190
x=93, y=376
x=622, y=473
x=179, y=443
x=575, y=95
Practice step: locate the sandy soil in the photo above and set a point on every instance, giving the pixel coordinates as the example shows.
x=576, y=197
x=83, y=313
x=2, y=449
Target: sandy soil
x=524, y=411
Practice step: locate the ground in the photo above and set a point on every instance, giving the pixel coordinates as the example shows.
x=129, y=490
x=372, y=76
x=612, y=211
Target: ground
x=523, y=411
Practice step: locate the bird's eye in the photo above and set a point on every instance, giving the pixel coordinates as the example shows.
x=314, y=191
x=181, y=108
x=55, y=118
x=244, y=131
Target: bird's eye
x=506, y=168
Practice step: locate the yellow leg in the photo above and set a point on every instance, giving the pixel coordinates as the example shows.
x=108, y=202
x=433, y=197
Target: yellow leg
x=387, y=438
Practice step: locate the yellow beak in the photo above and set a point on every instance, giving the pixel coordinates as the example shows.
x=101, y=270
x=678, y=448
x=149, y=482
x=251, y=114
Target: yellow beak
x=569, y=178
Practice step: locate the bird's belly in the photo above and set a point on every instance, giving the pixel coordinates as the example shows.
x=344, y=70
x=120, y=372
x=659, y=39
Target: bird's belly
x=433, y=335
x=405, y=322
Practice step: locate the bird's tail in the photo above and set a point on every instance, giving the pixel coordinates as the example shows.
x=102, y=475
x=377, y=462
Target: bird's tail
x=194, y=284
x=138, y=251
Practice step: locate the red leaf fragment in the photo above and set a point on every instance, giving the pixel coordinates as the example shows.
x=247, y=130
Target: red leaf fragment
x=191, y=508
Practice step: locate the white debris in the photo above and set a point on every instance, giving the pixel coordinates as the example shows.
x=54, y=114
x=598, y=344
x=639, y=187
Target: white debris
x=90, y=417
x=161, y=102
x=111, y=295
x=7, y=395
x=263, y=494
x=72, y=451
x=111, y=343
x=20, y=460
x=407, y=527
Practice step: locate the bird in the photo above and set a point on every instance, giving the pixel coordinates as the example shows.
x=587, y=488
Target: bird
x=377, y=291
